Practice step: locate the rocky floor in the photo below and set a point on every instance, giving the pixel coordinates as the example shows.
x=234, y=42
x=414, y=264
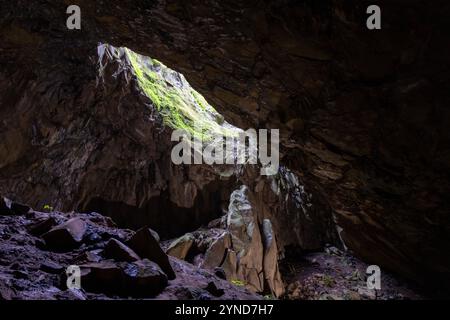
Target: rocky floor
x=336, y=275
x=37, y=247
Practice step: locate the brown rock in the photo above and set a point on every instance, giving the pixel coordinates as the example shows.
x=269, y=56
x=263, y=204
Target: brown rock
x=118, y=251
x=243, y=225
x=229, y=265
x=180, y=247
x=215, y=254
x=65, y=236
x=271, y=272
x=146, y=246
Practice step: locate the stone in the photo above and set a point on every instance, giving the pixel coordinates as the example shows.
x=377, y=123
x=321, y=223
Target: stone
x=102, y=277
x=272, y=273
x=144, y=278
x=8, y=207
x=41, y=227
x=215, y=254
x=180, y=247
x=89, y=256
x=118, y=251
x=219, y=272
x=229, y=265
x=51, y=267
x=4, y=208
x=19, y=209
x=66, y=236
x=146, y=246
x=6, y=290
x=214, y=290
x=243, y=225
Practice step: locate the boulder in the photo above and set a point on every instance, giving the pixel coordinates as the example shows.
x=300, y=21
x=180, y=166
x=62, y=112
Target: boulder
x=118, y=251
x=51, y=267
x=66, y=236
x=19, y=209
x=214, y=290
x=146, y=246
x=89, y=256
x=42, y=226
x=215, y=254
x=4, y=208
x=142, y=278
x=180, y=247
x=8, y=207
x=102, y=277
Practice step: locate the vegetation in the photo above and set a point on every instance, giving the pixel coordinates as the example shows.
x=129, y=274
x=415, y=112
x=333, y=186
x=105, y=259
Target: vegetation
x=238, y=282
x=179, y=104
x=328, y=281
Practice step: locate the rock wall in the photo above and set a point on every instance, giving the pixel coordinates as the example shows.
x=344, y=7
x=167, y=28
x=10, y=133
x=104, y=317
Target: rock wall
x=362, y=114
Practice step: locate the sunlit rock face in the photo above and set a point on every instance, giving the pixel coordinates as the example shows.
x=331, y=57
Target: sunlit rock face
x=362, y=115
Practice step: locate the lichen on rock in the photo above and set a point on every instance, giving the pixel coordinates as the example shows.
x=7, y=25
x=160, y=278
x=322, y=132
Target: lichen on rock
x=180, y=105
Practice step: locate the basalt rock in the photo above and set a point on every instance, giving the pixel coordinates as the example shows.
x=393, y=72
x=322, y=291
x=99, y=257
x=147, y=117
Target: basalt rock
x=146, y=246
x=10, y=207
x=42, y=226
x=116, y=250
x=141, y=278
x=4, y=209
x=180, y=247
x=31, y=272
x=66, y=236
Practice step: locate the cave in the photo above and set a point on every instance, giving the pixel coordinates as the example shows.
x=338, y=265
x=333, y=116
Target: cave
x=86, y=118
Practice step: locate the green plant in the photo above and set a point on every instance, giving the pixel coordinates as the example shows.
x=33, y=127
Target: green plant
x=328, y=280
x=48, y=207
x=238, y=282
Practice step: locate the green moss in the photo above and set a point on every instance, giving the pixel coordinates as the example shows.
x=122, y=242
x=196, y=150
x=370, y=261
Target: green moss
x=179, y=104
x=238, y=283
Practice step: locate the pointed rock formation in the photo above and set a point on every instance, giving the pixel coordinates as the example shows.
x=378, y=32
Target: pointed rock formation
x=146, y=246
x=118, y=251
x=66, y=236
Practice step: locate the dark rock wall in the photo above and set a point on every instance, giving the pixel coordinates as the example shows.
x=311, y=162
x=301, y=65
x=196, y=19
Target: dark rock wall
x=363, y=114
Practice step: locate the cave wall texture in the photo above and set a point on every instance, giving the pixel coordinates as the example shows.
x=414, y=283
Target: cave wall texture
x=363, y=115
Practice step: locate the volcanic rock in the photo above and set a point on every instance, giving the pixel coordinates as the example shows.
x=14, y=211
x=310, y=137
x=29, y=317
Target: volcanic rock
x=66, y=236
x=41, y=227
x=4, y=209
x=146, y=246
x=180, y=247
x=215, y=254
x=118, y=251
